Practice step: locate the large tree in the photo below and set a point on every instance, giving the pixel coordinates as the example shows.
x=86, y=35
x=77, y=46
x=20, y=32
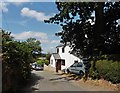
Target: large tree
x=89, y=35
x=34, y=44
x=16, y=59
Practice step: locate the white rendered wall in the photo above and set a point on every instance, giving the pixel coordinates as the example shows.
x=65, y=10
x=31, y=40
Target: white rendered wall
x=54, y=63
x=69, y=58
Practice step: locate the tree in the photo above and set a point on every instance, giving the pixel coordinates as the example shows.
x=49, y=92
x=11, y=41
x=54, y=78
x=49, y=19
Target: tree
x=48, y=55
x=16, y=60
x=89, y=36
x=85, y=38
x=35, y=46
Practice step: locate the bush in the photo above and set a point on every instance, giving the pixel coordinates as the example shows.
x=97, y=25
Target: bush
x=16, y=60
x=93, y=73
x=109, y=70
x=42, y=62
x=16, y=64
x=46, y=62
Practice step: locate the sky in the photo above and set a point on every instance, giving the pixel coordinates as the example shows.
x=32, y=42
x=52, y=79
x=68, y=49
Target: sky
x=26, y=19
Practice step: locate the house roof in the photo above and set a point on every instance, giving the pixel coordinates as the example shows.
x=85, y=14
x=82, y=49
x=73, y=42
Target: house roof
x=56, y=56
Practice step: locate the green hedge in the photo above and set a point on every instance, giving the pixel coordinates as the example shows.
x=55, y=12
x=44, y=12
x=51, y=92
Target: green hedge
x=41, y=62
x=106, y=69
x=16, y=59
x=16, y=65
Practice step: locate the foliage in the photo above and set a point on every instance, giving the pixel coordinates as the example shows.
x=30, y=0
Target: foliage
x=17, y=57
x=48, y=55
x=106, y=69
x=42, y=62
x=89, y=35
x=43, y=55
x=34, y=45
x=47, y=62
x=93, y=73
x=39, y=61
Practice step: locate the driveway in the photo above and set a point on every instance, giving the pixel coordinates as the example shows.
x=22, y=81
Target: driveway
x=49, y=81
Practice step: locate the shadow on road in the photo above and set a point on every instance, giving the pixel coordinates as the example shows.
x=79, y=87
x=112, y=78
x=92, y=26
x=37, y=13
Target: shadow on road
x=73, y=77
x=67, y=77
x=30, y=86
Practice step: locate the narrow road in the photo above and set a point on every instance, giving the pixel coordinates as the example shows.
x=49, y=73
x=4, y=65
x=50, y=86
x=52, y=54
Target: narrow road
x=48, y=81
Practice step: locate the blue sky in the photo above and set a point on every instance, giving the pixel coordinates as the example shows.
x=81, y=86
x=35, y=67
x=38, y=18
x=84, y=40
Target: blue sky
x=25, y=20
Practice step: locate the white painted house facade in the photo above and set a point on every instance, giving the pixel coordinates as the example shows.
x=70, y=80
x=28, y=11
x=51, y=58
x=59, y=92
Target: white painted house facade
x=63, y=59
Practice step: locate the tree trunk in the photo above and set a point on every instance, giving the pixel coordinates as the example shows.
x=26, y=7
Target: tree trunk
x=99, y=23
x=99, y=29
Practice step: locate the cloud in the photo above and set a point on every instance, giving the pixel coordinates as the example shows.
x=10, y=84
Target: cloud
x=55, y=41
x=17, y=3
x=43, y=37
x=38, y=35
x=48, y=45
x=39, y=16
x=3, y=6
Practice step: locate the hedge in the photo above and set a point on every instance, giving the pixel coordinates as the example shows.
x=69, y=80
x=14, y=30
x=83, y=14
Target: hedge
x=41, y=62
x=106, y=69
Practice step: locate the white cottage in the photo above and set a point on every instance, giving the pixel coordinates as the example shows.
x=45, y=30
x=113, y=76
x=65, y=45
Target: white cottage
x=63, y=59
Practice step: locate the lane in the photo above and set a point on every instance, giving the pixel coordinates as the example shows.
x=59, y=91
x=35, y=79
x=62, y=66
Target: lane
x=53, y=82
x=49, y=81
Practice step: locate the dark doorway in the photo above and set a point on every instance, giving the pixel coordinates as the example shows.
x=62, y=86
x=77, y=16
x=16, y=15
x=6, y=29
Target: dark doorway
x=58, y=65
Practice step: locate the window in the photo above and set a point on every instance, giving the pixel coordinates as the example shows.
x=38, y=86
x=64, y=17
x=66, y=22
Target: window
x=57, y=50
x=79, y=64
x=63, y=50
x=51, y=61
x=63, y=62
x=74, y=65
x=75, y=61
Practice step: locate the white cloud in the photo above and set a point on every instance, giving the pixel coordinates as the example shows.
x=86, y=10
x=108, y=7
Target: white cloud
x=48, y=45
x=38, y=35
x=43, y=37
x=4, y=4
x=39, y=16
x=55, y=41
x=3, y=7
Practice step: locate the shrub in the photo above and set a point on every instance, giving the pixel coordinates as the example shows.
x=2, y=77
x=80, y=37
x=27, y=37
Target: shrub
x=41, y=62
x=16, y=60
x=46, y=62
x=93, y=73
x=109, y=70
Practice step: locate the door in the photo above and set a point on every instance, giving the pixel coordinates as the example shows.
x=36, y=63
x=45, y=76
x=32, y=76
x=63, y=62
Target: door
x=58, y=65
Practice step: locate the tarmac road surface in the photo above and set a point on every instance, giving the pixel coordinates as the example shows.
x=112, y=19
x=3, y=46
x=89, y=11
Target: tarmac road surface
x=48, y=81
